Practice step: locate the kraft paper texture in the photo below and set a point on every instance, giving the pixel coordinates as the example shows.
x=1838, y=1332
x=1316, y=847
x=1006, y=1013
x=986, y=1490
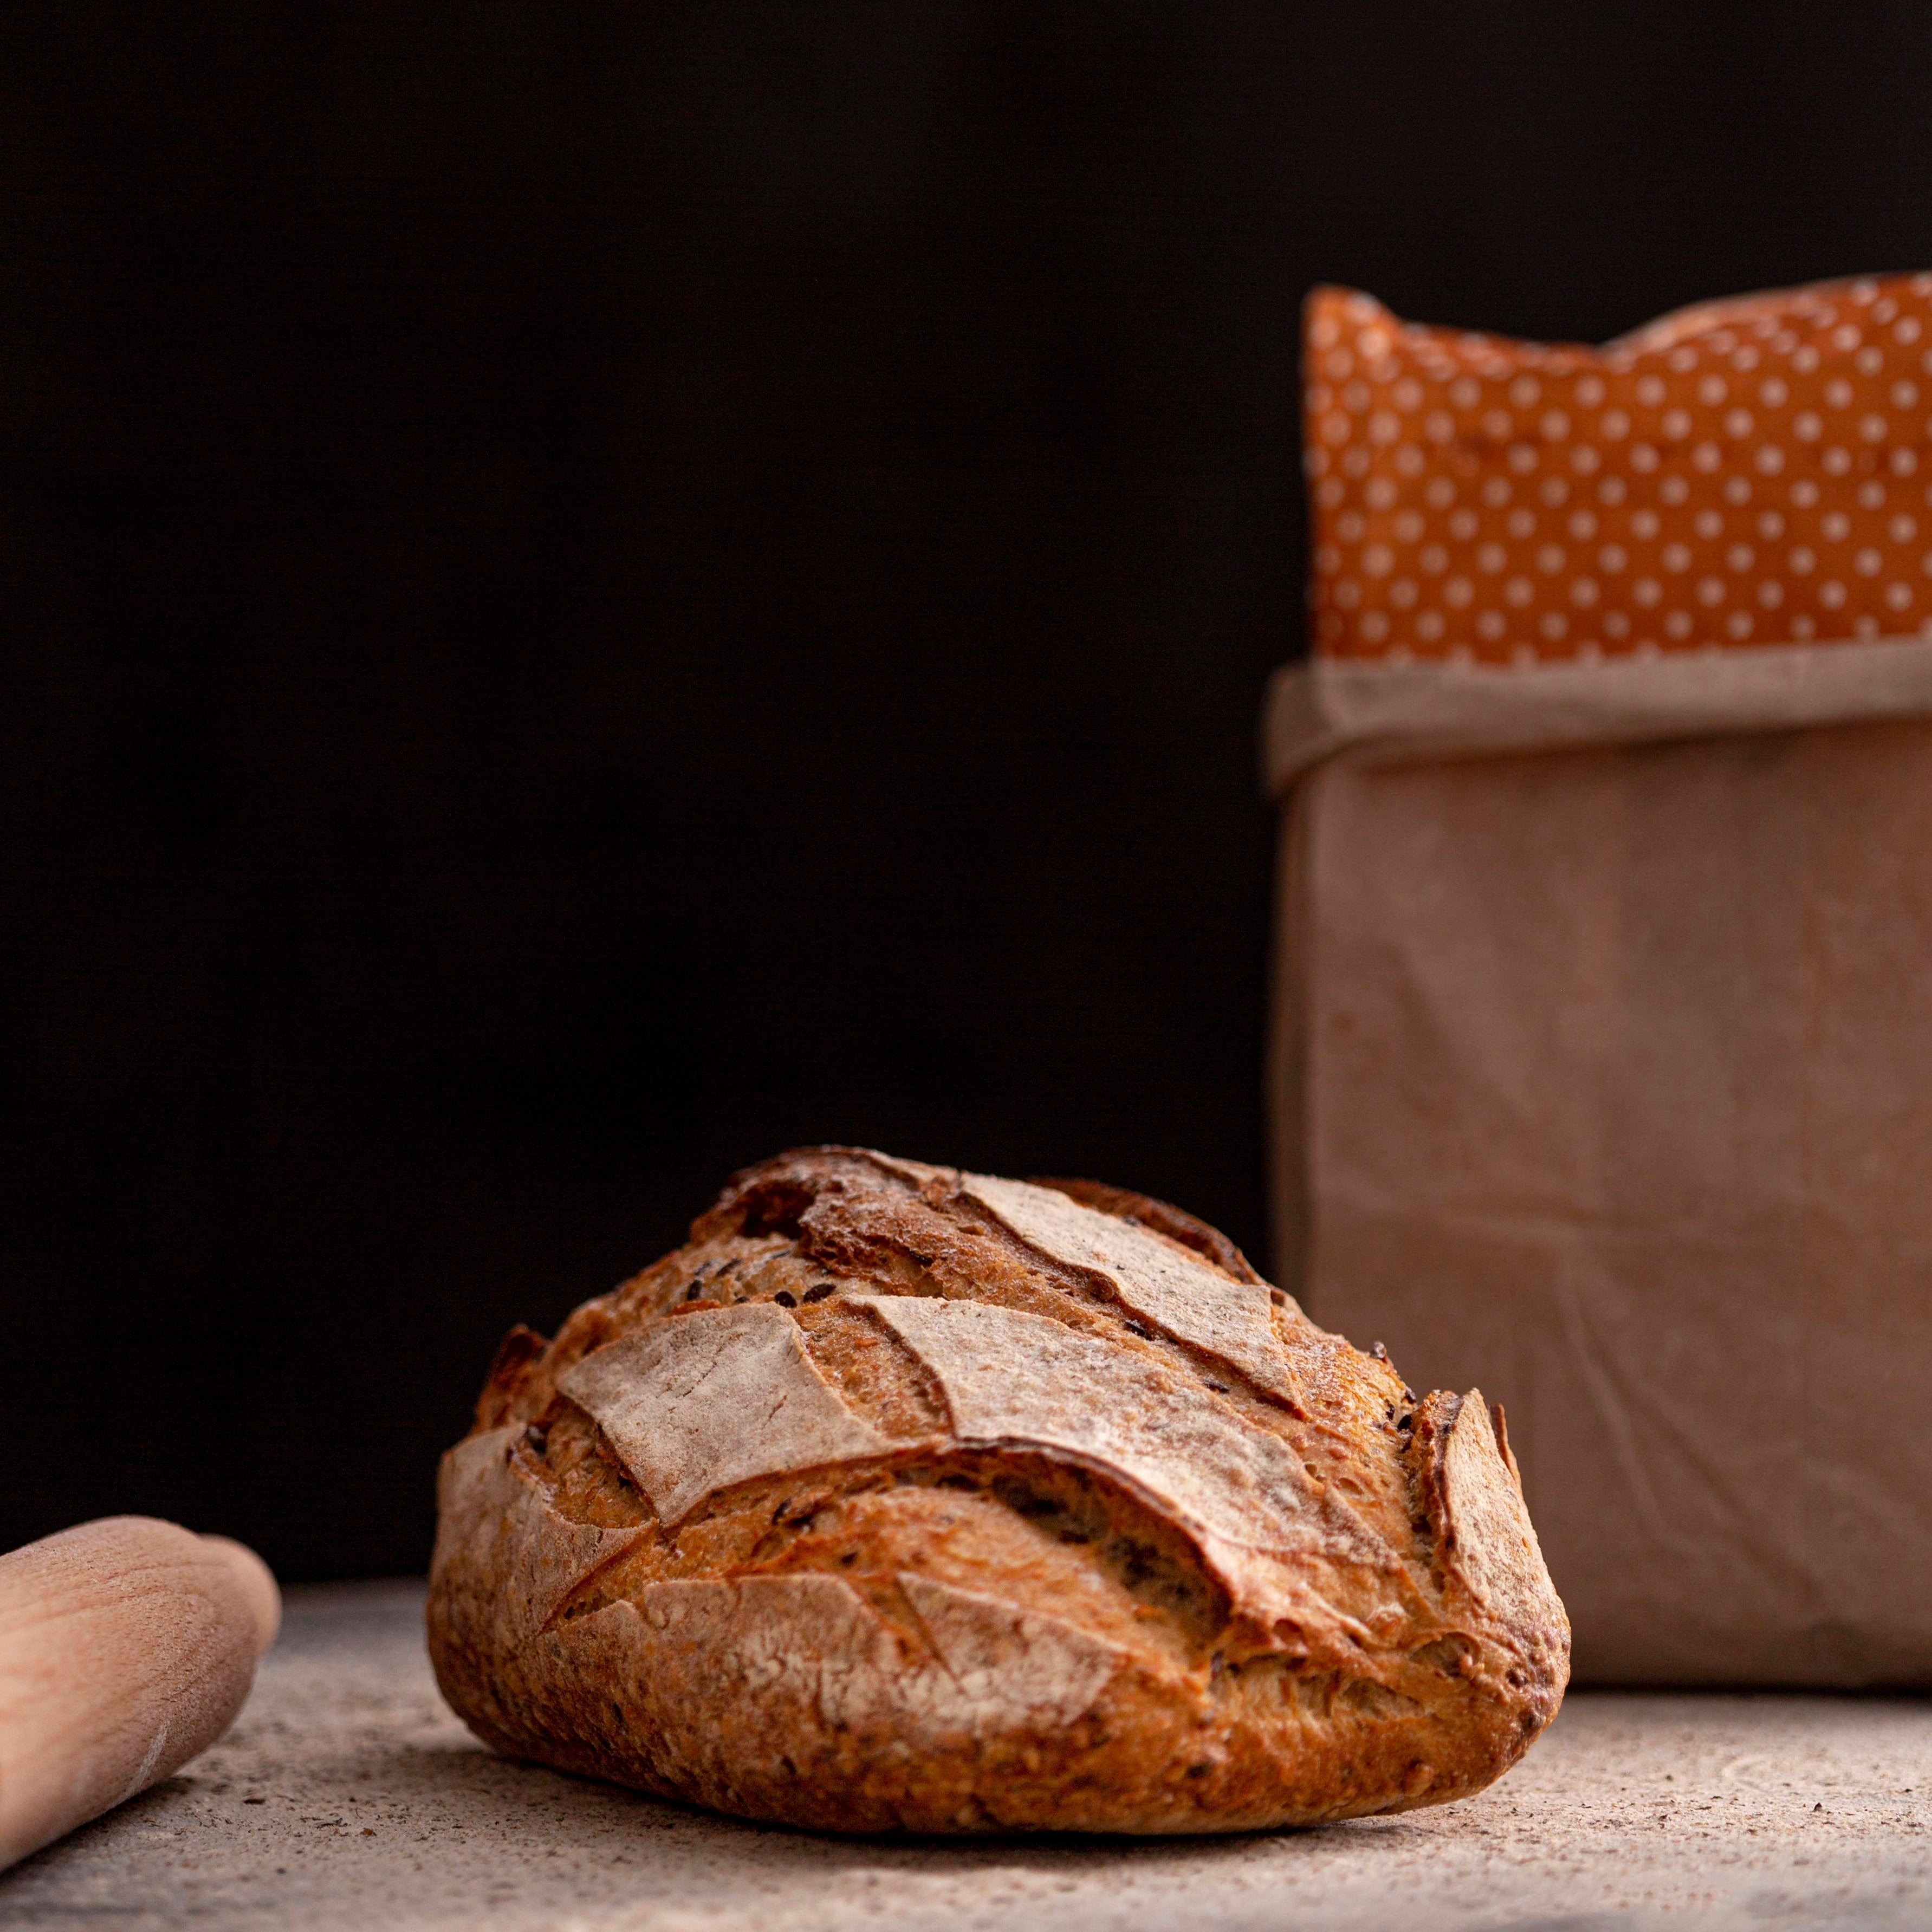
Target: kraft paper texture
x=1602, y=1080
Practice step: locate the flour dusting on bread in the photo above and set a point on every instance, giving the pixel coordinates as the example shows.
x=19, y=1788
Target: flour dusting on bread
x=718, y=1397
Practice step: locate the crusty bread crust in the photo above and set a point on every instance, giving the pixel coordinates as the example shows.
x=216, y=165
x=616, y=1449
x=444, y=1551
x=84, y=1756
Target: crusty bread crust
x=901, y=1497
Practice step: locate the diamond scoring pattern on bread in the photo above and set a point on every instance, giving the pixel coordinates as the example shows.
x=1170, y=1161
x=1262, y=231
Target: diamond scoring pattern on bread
x=718, y=1397
x=1489, y=1545
x=1004, y=1661
x=900, y=1496
x=1013, y=1380
x=1158, y=1280
x=488, y=1503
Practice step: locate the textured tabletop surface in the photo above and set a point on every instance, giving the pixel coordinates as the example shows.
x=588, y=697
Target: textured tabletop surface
x=347, y=1795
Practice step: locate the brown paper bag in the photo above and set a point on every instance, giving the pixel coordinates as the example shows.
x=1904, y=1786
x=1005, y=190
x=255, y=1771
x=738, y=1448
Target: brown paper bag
x=1602, y=1064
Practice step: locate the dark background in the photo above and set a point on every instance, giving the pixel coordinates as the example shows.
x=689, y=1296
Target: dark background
x=595, y=591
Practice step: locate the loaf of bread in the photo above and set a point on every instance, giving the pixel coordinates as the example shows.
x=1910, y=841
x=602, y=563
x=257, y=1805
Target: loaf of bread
x=904, y=1497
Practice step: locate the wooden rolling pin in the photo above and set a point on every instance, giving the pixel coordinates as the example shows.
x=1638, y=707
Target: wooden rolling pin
x=127, y=1646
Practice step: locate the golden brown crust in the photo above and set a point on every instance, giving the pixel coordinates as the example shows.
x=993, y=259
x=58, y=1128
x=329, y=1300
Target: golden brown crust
x=905, y=1497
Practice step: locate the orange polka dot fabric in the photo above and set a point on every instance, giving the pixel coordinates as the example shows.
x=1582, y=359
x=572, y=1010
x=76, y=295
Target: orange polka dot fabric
x=1743, y=473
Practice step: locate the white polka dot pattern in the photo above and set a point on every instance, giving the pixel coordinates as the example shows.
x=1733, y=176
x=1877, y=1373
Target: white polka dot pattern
x=1753, y=472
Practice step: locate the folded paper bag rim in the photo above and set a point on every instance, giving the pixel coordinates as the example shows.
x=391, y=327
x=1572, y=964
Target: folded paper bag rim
x=1393, y=714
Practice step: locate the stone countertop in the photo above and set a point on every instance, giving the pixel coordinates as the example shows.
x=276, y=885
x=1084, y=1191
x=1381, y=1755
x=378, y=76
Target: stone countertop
x=348, y=1796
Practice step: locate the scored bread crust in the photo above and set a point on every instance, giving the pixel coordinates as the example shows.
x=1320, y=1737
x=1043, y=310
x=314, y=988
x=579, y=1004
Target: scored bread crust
x=903, y=1497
